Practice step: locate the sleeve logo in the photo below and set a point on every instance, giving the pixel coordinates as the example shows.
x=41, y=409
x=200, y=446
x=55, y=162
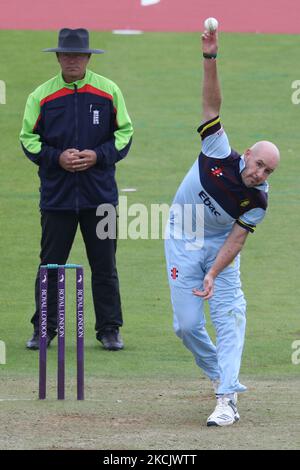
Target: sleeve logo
x=244, y=203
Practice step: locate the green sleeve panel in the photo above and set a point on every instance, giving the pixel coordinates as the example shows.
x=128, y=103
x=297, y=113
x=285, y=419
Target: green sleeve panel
x=29, y=139
x=125, y=130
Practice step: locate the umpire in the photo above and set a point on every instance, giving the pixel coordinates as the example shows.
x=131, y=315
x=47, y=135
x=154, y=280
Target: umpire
x=75, y=129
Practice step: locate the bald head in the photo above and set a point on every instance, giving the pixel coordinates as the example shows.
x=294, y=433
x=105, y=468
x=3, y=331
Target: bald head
x=260, y=161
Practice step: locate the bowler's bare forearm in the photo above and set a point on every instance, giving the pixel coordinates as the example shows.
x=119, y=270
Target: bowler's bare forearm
x=230, y=249
x=211, y=90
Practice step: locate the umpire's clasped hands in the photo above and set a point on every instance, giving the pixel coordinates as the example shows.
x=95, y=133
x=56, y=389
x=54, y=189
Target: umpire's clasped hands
x=73, y=160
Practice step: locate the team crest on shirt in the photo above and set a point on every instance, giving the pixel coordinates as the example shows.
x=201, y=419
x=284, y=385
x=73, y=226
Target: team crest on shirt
x=174, y=273
x=216, y=171
x=244, y=203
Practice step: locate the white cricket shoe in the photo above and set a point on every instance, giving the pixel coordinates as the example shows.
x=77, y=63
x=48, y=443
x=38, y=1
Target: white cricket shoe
x=225, y=413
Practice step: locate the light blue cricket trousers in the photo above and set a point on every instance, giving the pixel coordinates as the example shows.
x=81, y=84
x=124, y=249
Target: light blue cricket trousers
x=186, y=271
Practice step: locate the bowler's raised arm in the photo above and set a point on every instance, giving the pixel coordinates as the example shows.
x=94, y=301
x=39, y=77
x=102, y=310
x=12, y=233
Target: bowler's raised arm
x=211, y=90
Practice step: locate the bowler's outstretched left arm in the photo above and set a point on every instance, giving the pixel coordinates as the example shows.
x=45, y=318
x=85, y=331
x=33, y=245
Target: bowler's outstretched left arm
x=231, y=248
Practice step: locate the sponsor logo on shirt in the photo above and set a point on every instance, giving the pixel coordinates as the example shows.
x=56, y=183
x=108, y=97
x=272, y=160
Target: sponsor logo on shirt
x=244, y=203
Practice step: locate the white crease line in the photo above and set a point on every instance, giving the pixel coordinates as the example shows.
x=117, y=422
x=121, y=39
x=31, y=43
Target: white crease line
x=127, y=31
x=146, y=3
x=50, y=399
x=17, y=399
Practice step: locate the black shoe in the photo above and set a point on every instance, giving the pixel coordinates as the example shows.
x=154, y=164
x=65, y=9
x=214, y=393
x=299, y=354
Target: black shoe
x=111, y=339
x=34, y=342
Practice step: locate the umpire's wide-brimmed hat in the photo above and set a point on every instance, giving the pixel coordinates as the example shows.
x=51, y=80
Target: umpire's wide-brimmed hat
x=74, y=40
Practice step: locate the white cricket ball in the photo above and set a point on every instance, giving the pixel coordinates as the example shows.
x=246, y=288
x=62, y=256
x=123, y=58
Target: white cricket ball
x=211, y=24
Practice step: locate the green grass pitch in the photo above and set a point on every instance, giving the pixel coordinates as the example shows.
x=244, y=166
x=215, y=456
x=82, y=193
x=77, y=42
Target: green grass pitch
x=160, y=76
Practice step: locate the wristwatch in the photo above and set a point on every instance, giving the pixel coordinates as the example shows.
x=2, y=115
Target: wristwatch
x=209, y=56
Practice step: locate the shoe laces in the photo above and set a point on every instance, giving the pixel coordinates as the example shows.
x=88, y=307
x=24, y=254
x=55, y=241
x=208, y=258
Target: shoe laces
x=222, y=404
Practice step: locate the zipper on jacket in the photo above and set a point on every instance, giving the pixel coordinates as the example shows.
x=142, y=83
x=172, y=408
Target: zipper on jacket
x=76, y=146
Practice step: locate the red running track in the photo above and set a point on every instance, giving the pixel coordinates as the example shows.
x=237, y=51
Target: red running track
x=263, y=16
